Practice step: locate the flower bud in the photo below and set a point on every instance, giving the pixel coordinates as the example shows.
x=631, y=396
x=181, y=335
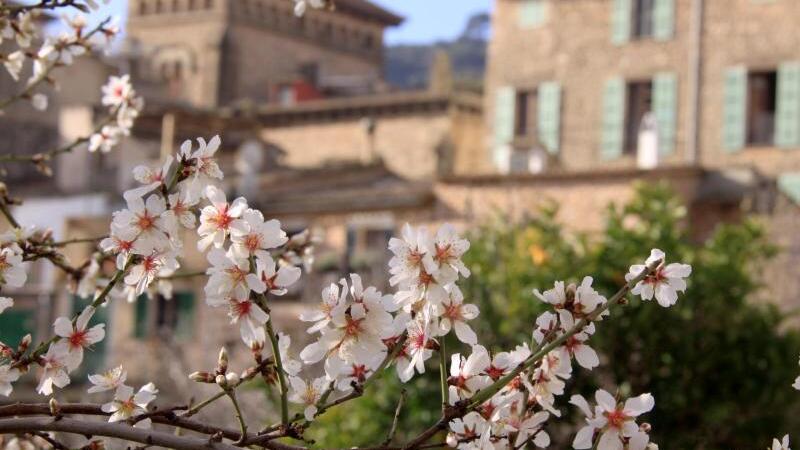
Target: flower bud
x=232, y=378
x=645, y=427
x=222, y=381
x=201, y=377
x=55, y=409
x=25, y=343
x=222, y=361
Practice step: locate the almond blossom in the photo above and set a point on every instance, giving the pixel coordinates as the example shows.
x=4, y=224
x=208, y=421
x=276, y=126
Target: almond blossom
x=257, y=236
x=12, y=273
x=203, y=168
x=7, y=376
x=268, y=279
x=307, y=394
x=444, y=253
x=148, y=220
x=117, y=91
x=454, y=313
x=418, y=346
x=466, y=374
x=126, y=404
x=355, y=333
x=227, y=277
x=322, y=314
x=664, y=284
x=120, y=242
x=615, y=421
x=783, y=444
x=219, y=218
x=54, y=369
x=157, y=263
x=75, y=336
x=251, y=319
x=467, y=429
x=107, y=381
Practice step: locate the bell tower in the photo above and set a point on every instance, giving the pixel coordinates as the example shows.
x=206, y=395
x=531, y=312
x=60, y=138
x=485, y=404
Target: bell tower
x=209, y=53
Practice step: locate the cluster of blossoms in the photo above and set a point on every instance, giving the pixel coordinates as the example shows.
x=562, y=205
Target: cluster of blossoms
x=124, y=106
x=126, y=403
x=54, y=51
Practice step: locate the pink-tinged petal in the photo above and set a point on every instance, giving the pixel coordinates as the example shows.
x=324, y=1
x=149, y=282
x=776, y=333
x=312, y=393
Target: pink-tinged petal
x=582, y=404
x=215, y=195
x=237, y=207
x=465, y=333
x=605, y=400
x=610, y=440
x=639, y=405
x=84, y=317
x=313, y=353
x=63, y=327
x=287, y=276
x=677, y=270
x=583, y=439
x=255, y=283
x=586, y=357
x=96, y=334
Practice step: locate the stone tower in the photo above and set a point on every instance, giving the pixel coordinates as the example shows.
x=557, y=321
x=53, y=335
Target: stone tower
x=209, y=53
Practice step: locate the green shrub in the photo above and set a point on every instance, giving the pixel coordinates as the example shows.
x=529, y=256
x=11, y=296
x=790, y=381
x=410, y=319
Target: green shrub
x=717, y=363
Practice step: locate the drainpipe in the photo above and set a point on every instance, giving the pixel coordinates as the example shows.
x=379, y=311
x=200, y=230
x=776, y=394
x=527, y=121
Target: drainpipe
x=695, y=80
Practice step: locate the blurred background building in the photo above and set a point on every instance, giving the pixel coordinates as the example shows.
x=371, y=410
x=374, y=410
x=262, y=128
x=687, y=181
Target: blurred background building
x=325, y=128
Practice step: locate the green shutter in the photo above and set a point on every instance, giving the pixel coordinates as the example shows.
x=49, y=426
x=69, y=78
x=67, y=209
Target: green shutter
x=184, y=322
x=532, y=13
x=140, y=327
x=621, y=21
x=665, y=107
x=549, y=115
x=787, y=121
x=613, y=131
x=735, y=109
x=15, y=323
x=664, y=19
x=504, y=116
x=789, y=184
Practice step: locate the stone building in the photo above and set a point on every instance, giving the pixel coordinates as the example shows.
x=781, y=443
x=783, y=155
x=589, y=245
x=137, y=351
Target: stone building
x=583, y=96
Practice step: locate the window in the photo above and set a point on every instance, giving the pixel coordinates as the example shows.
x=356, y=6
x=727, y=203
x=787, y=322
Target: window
x=643, y=18
x=639, y=104
x=525, y=114
x=170, y=317
x=761, y=107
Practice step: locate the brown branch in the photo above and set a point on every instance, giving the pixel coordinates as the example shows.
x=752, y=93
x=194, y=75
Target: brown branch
x=113, y=430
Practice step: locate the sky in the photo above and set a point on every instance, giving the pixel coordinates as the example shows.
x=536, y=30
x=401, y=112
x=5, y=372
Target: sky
x=426, y=20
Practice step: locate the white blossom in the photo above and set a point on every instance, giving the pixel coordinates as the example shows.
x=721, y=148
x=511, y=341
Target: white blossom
x=322, y=314
x=13, y=63
x=268, y=279
x=454, y=313
x=54, y=366
x=227, y=277
x=126, y=404
x=219, y=218
x=75, y=337
x=107, y=381
x=616, y=422
x=7, y=376
x=783, y=444
x=12, y=273
x=664, y=283
x=257, y=236
x=307, y=394
x=251, y=319
x=467, y=374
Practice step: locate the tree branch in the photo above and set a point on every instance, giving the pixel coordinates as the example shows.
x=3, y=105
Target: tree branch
x=113, y=430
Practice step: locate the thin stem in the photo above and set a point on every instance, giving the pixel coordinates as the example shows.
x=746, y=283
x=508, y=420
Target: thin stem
x=487, y=393
x=396, y=419
x=31, y=86
x=66, y=242
x=443, y=370
x=239, y=417
x=7, y=213
x=276, y=354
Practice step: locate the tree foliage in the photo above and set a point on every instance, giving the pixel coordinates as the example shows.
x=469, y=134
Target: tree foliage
x=720, y=363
